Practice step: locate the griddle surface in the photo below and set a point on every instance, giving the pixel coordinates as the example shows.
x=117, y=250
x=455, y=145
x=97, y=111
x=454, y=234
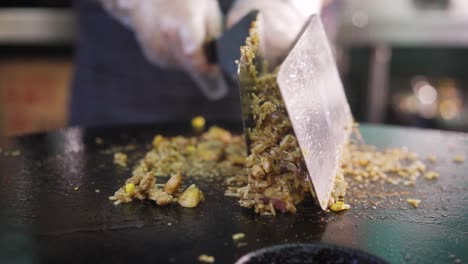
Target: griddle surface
x=43, y=219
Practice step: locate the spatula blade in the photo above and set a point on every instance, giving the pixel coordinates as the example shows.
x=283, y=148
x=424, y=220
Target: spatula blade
x=317, y=106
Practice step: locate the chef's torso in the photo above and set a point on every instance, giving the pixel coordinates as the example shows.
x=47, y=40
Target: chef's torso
x=114, y=83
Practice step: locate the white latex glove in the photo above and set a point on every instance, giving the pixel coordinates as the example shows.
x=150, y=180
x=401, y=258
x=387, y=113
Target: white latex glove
x=280, y=22
x=172, y=33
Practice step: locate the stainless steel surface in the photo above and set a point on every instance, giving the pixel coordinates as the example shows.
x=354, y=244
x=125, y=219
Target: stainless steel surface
x=33, y=26
x=404, y=22
x=317, y=106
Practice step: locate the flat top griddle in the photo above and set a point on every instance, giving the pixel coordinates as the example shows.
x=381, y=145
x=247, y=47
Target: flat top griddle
x=43, y=219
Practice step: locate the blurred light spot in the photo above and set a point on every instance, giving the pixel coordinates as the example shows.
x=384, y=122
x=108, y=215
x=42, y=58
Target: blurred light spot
x=417, y=84
x=426, y=94
x=448, y=109
x=360, y=19
x=411, y=104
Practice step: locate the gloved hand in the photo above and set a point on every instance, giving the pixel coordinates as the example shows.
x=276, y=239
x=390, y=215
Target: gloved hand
x=172, y=33
x=280, y=22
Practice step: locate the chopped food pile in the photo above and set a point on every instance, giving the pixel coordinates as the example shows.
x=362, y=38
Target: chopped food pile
x=371, y=173
x=277, y=175
x=215, y=153
x=145, y=187
x=365, y=164
x=276, y=171
x=219, y=155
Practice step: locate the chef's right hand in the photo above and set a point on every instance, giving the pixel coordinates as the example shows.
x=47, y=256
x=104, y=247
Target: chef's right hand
x=172, y=33
x=281, y=22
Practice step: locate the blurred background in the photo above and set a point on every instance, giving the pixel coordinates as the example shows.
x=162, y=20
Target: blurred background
x=402, y=62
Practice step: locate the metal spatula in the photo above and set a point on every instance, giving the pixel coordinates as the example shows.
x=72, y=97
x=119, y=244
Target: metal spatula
x=224, y=50
x=316, y=104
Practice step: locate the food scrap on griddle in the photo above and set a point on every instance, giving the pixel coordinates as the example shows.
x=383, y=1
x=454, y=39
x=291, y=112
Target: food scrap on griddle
x=120, y=159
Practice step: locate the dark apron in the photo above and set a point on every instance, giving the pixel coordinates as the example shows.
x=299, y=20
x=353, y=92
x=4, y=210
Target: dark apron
x=115, y=84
